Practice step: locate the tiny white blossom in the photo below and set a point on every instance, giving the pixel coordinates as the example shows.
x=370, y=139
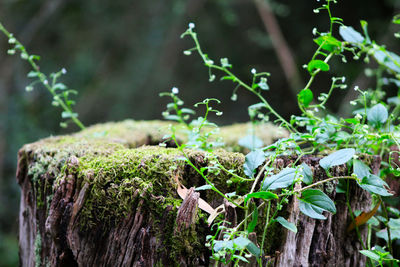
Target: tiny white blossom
x=63, y=71
x=253, y=71
x=353, y=103
x=358, y=116
x=175, y=90
x=191, y=25
x=46, y=82
x=356, y=88
x=316, y=109
x=343, y=79
x=314, y=31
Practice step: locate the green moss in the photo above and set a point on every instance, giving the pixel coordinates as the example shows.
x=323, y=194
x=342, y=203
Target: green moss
x=38, y=249
x=121, y=177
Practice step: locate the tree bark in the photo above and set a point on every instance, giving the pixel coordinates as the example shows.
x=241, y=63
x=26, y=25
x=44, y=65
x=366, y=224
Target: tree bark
x=66, y=219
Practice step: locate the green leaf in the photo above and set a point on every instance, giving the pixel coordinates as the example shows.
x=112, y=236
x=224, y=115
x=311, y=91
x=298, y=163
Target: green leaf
x=313, y=202
x=263, y=194
x=254, y=217
x=240, y=242
x=328, y=42
x=283, y=179
x=377, y=115
x=350, y=35
x=203, y=187
x=317, y=64
x=360, y=169
x=288, y=225
x=337, y=158
x=253, y=249
x=370, y=254
x=374, y=184
x=305, y=97
x=253, y=160
x=307, y=173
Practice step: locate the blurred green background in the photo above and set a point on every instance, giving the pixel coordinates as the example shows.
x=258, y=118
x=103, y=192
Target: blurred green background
x=121, y=54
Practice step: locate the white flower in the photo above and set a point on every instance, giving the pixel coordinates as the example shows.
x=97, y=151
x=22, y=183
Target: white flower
x=353, y=103
x=358, y=116
x=63, y=71
x=343, y=79
x=253, y=71
x=191, y=25
x=175, y=90
x=356, y=88
x=314, y=31
x=46, y=82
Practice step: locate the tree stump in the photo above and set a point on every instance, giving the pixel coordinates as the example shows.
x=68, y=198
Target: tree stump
x=102, y=197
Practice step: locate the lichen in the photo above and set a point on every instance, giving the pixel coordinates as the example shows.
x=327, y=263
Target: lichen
x=38, y=249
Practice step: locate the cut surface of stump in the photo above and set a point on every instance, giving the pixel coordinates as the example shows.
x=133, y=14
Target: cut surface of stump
x=104, y=197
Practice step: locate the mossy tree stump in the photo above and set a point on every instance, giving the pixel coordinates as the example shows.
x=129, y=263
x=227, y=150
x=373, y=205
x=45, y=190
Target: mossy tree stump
x=94, y=199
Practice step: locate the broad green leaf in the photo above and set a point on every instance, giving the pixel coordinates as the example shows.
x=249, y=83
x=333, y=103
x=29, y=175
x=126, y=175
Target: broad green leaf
x=254, y=217
x=240, y=242
x=370, y=254
x=374, y=184
x=377, y=115
x=203, y=187
x=222, y=244
x=394, y=234
x=313, y=202
x=328, y=42
x=307, y=173
x=305, y=97
x=253, y=249
x=387, y=58
x=311, y=211
x=350, y=35
x=263, y=194
x=337, y=158
x=317, y=64
x=253, y=160
x=360, y=169
x=283, y=179
x=288, y=225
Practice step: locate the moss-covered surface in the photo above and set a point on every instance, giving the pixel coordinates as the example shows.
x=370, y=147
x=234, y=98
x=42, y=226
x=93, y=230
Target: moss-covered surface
x=114, y=159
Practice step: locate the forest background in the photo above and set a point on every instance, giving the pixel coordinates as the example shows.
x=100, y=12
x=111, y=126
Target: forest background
x=120, y=55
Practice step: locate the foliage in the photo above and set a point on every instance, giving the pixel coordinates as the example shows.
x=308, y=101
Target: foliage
x=371, y=131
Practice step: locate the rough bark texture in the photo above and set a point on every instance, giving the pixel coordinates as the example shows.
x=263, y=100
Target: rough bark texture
x=95, y=201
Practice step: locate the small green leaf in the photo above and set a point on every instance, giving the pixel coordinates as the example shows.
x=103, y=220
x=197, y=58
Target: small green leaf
x=305, y=97
x=307, y=173
x=374, y=184
x=253, y=160
x=288, y=225
x=328, y=42
x=317, y=64
x=370, y=254
x=350, y=35
x=283, y=179
x=337, y=158
x=313, y=202
x=263, y=194
x=377, y=115
x=360, y=169
x=254, y=217
x=203, y=187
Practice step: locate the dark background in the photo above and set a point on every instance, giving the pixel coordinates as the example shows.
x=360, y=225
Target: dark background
x=121, y=54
